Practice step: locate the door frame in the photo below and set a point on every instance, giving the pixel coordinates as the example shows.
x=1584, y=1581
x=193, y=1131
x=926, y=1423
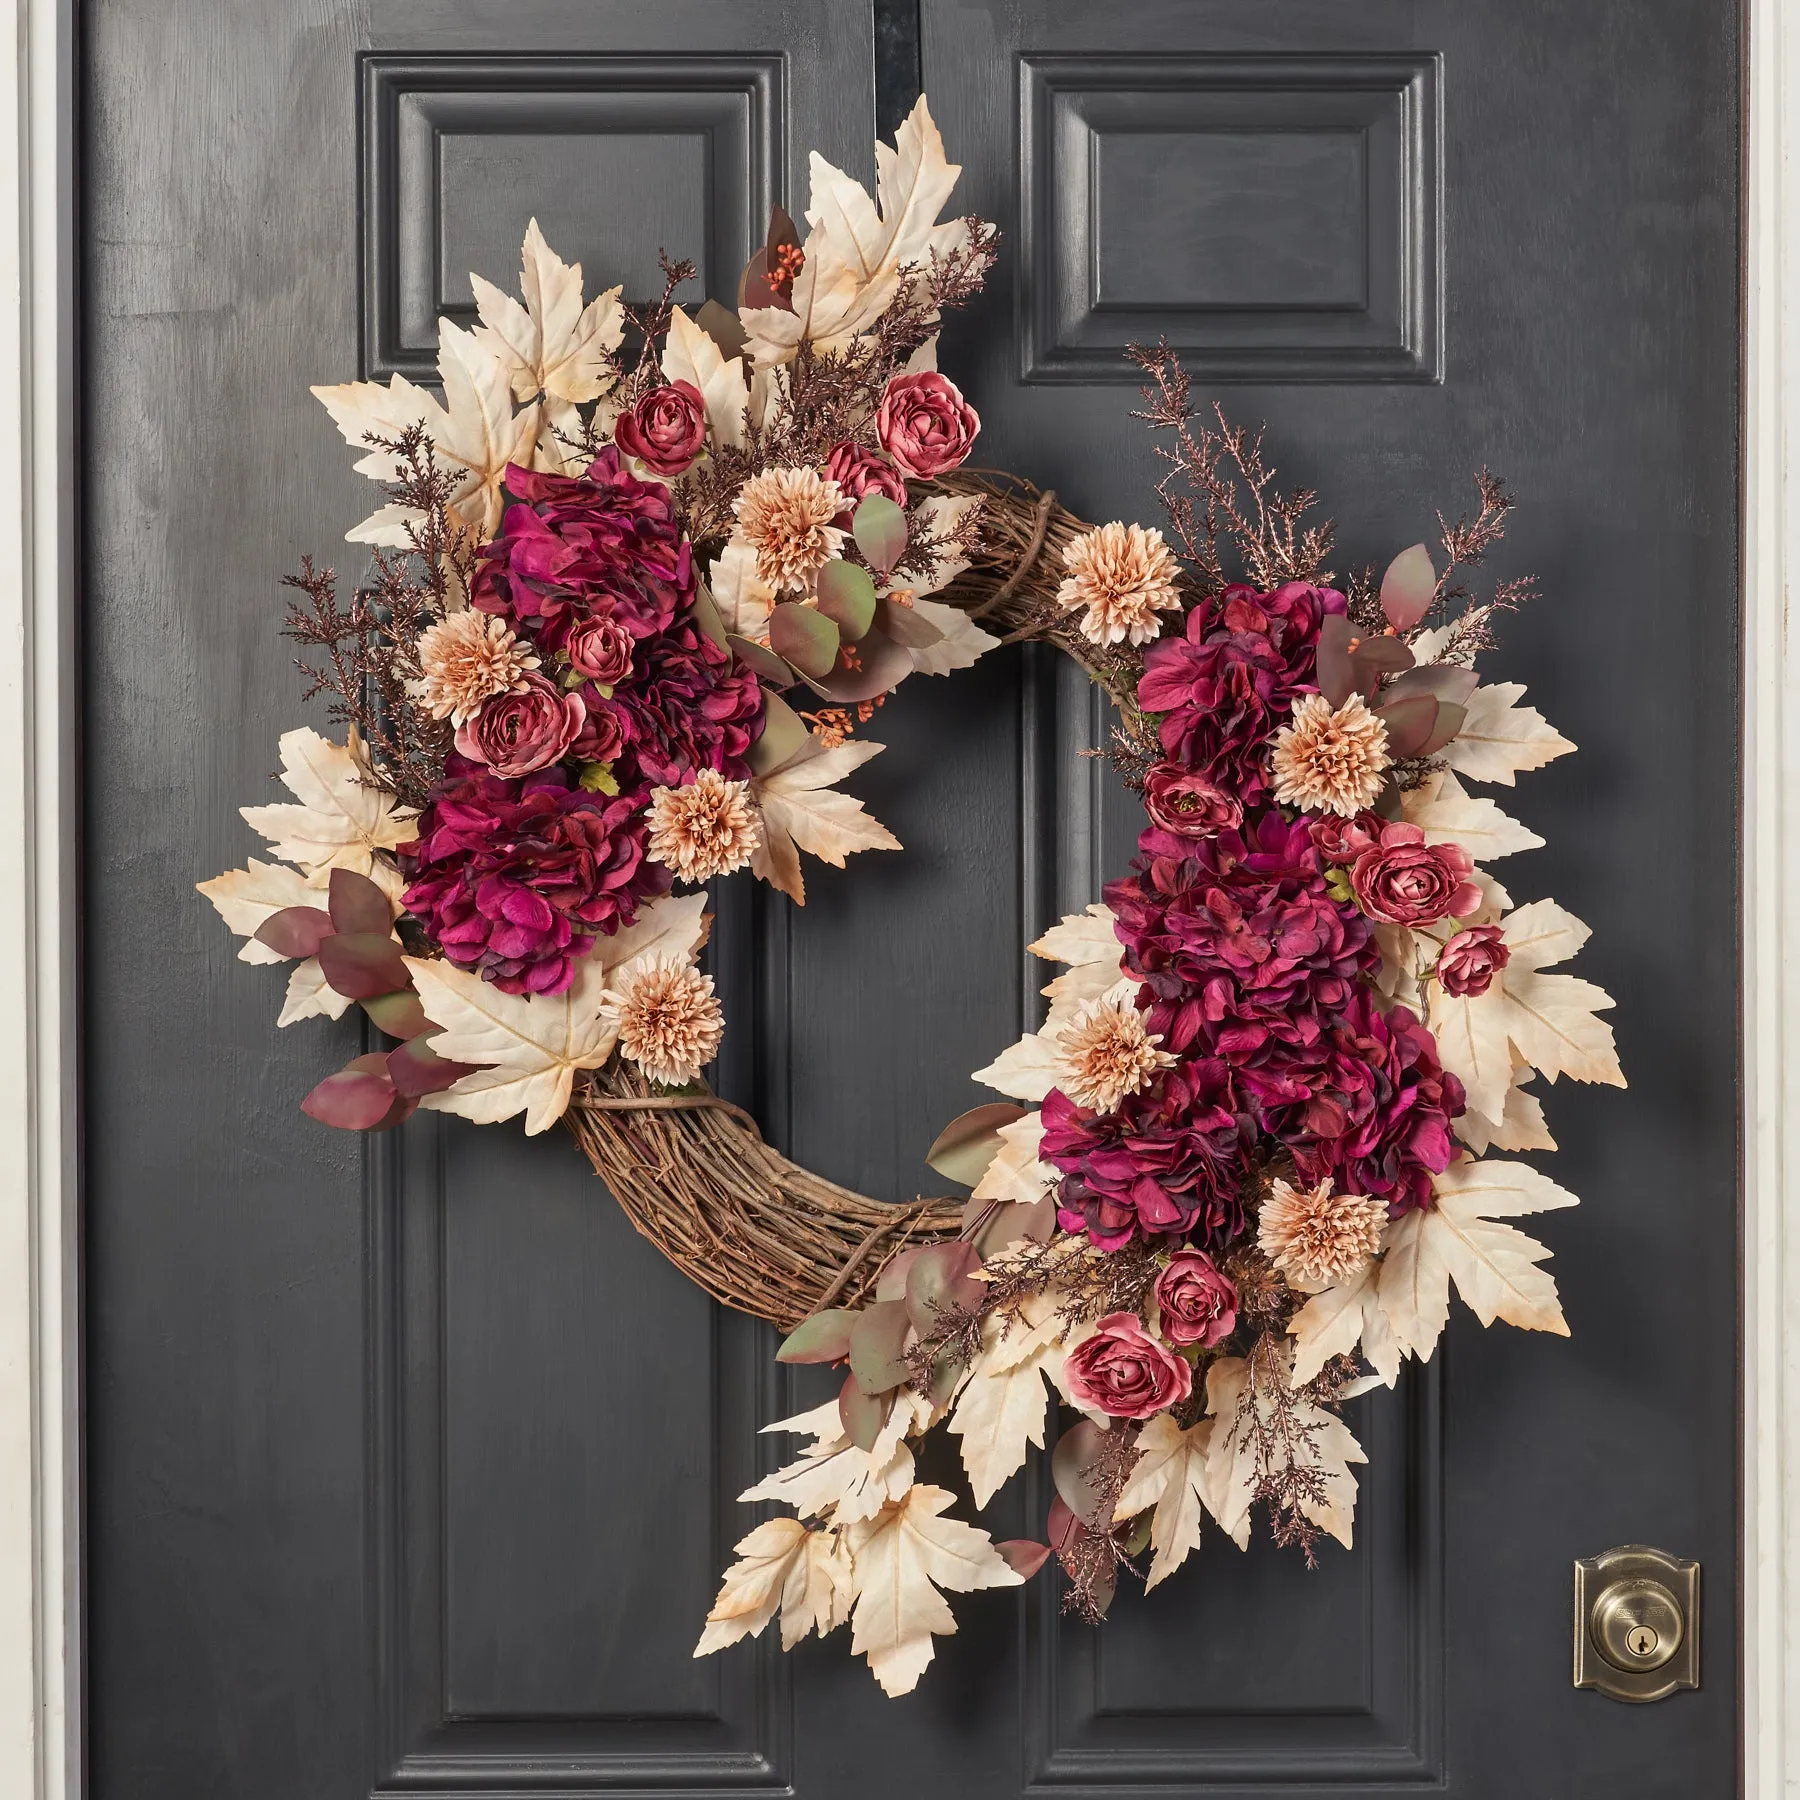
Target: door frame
x=41, y=1733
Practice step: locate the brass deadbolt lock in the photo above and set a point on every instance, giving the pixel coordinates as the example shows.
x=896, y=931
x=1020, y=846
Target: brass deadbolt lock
x=1637, y=1623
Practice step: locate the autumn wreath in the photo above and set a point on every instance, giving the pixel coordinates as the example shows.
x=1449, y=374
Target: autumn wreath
x=638, y=582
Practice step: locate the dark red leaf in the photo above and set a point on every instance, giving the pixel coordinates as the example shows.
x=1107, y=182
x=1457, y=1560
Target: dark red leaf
x=1337, y=680
x=862, y=1415
x=1408, y=587
x=875, y=1343
x=1025, y=1556
x=1444, y=681
x=1450, y=720
x=359, y=1097
x=399, y=1014
x=1075, y=1451
x=295, y=931
x=1409, y=724
x=363, y=964
x=417, y=1069
x=942, y=1275
x=357, y=904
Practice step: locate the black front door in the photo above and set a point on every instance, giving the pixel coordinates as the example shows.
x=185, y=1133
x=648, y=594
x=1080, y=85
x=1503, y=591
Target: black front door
x=411, y=1468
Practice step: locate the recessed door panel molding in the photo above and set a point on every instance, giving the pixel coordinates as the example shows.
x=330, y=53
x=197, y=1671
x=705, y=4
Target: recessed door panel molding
x=619, y=157
x=1275, y=217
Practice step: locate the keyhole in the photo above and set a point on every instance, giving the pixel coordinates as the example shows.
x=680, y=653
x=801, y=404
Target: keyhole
x=1642, y=1641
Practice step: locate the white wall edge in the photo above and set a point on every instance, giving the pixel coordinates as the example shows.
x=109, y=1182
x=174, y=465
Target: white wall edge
x=1771, y=883
x=40, y=1488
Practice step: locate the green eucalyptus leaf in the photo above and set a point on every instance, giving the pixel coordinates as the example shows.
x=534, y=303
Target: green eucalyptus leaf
x=824, y=1338
x=971, y=1140
x=805, y=637
x=862, y=1415
x=942, y=1275
x=784, y=734
x=762, y=662
x=847, y=598
x=876, y=1341
x=1071, y=1463
x=879, y=528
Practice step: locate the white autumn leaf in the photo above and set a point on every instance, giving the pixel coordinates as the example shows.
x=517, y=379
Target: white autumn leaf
x=392, y=527
x=1520, y=1126
x=552, y=344
x=1335, y=1321
x=1016, y=1174
x=474, y=433
x=1499, y=737
x=801, y=811
x=834, y=1475
x=1244, y=1452
x=341, y=819
x=691, y=355
x=673, y=926
x=1170, y=1475
x=558, y=450
x=244, y=898
x=857, y=248
x=1082, y=938
x=1461, y=1238
x=311, y=996
x=532, y=1045
x=903, y=1557
x=1527, y=1015
x=1027, y=1070
x=1002, y=1409
x=743, y=598
x=959, y=643
x=805, y=1575
x=1447, y=814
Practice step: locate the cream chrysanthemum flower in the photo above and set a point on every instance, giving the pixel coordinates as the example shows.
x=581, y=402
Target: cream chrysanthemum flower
x=1124, y=575
x=1104, y=1053
x=1330, y=760
x=668, y=1019
x=785, y=516
x=468, y=658
x=707, y=828
x=1316, y=1237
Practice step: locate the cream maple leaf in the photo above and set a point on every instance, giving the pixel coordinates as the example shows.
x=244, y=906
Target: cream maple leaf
x=551, y=345
x=474, y=434
x=1336, y=1320
x=1002, y=1409
x=856, y=249
x=1243, y=1453
x=1520, y=1126
x=245, y=898
x=1170, y=1475
x=801, y=811
x=903, y=1557
x=310, y=996
x=691, y=355
x=532, y=1046
x=342, y=818
x=743, y=598
x=1461, y=1238
x=784, y=1567
x=1447, y=814
x=1016, y=1174
x=1526, y=1015
x=1498, y=738
x=833, y=1475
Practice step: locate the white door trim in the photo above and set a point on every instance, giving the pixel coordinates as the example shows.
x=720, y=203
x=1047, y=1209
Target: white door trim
x=1771, y=922
x=40, y=1396
x=40, y=1609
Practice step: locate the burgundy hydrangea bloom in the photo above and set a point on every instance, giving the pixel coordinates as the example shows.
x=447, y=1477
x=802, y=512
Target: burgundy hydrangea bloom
x=510, y=877
x=1377, y=1119
x=1229, y=681
x=573, y=546
x=1241, y=941
x=686, y=707
x=1168, y=1164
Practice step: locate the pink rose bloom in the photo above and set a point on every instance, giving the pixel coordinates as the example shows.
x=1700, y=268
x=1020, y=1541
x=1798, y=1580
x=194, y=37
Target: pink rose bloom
x=1195, y=1303
x=1187, y=804
x=1124, y=1372
x=1342, y=840
x=1468, y=964
x=925, y=424
x=666, y=430
x=599, y=648
x=528, y=729
x=860, y=473
x=1402, y=880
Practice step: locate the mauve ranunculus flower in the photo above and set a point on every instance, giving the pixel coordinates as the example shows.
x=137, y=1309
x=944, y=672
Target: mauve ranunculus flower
x=1468, y=964
x=925, y=424
x=512, y=877
x=1195, y=1303
x=571, y=546
x=1186, y=805
x=1403, y=880
x=599, y=648
x=520, y=732
x=1342, y=840
x=860, y=473
x=666, y=430
x=1124, y=1372
x=1377, y=1119
x=1167, y=1163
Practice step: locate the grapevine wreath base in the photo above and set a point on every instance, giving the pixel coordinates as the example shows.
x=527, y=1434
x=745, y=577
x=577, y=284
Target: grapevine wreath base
x=638, y=585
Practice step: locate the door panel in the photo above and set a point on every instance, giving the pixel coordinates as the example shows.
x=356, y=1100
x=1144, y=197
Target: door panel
x=1546, y=248
x=411, y=1466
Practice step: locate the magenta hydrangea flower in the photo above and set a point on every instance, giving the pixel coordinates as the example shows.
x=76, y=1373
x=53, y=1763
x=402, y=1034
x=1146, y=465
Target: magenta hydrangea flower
x=1169, y=1164
x=513, y=877
x=1228, y=682
x=687, y=707
x=572, y=547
